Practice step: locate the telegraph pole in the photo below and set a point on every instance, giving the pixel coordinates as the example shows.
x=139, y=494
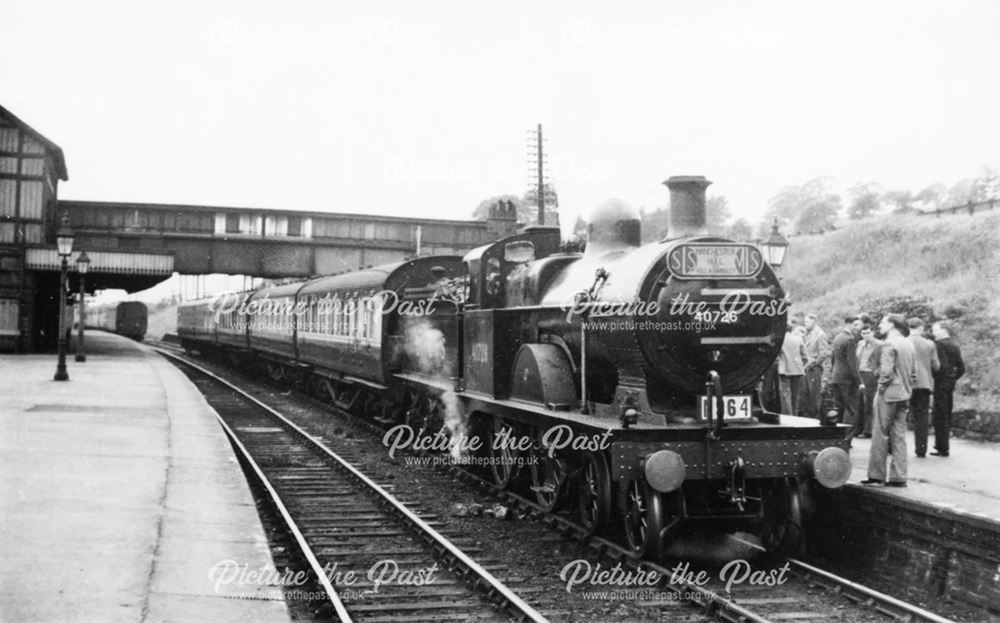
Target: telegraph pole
x=541, y=178
x=536, y=152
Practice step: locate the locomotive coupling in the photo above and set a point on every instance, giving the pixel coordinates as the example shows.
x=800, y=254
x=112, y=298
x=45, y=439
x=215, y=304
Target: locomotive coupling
x=831, y=467
x=665, y=470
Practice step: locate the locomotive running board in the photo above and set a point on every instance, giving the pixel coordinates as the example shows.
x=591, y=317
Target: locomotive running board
x=569, y=417
x=790, y=428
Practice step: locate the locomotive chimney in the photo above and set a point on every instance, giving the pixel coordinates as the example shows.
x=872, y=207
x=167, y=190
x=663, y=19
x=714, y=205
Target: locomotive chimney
x=687, y=205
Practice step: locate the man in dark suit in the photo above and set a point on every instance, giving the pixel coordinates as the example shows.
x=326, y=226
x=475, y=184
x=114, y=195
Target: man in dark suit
x=927, y=366
x=844, y=379
x=952, y=368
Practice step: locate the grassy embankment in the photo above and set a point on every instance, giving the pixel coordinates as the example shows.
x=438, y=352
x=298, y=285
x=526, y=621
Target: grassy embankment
x=938, y=267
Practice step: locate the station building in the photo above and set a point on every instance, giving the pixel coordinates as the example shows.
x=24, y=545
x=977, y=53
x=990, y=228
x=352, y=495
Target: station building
x=31, y=167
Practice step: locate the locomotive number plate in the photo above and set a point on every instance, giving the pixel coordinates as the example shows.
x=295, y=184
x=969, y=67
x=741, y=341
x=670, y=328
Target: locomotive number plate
x=733, y=406
x=720, y=261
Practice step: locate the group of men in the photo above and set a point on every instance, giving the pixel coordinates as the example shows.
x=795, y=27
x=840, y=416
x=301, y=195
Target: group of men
x=876, y=381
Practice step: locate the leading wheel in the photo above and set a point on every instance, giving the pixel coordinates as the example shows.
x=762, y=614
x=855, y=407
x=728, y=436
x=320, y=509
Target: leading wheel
x=644, y=523
x=782, y=530
x=594, y=492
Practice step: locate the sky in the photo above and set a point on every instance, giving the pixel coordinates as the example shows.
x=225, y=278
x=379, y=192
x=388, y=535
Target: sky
x=424, y=107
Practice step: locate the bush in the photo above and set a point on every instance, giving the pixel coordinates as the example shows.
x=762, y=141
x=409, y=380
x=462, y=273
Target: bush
x=905, y=304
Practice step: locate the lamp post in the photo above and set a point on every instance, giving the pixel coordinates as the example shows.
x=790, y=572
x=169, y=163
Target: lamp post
x=774, y=249
x=775, y=246
x=64, y=244
x=82, y=265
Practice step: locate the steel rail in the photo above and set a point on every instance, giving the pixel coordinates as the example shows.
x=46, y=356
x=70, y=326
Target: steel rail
x=293, y=527
x=496, y=588
x=915, y=613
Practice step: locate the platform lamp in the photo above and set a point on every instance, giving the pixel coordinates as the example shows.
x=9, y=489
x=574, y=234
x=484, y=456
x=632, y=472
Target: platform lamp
x=774, y=247
x=82, y=265
x=64, y=245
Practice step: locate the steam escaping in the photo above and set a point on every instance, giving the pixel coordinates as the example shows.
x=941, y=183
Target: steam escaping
x=424, y=346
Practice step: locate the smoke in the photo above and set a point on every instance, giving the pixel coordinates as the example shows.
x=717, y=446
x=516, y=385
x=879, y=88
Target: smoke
x=424, y=346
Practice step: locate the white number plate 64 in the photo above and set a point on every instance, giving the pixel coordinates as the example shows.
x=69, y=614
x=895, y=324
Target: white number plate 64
x=733, y=406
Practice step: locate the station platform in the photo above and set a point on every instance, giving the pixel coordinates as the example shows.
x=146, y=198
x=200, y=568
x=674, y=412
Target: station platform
x=120, y=497
x=965, y=482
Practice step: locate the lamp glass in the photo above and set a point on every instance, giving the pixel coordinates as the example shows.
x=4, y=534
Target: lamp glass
x=64, y=238
x=775, y=254
x=65, y=244
x=83, y=263
x=775, y=246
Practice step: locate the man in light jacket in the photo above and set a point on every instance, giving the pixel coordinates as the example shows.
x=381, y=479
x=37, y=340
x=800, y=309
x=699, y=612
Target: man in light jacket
x=791, y=369
x=817, y=354
x=897, y=374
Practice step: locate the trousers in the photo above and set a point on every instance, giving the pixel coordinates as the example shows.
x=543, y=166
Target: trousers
x=866, y=404
x=943, y=404
x=889, y=439
x=789, y=387
x=846, y=398
x=920, y=403
x=812, y=388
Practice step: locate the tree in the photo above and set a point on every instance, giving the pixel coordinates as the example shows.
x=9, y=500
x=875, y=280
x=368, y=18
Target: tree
x=717, y=214
x=933, y=196
x=812, y=207
x=986, y=186
x=902, y=200
x=655, y=224
x=741, y=229
x=865, y=198
x=818, y=216
x=960, y=193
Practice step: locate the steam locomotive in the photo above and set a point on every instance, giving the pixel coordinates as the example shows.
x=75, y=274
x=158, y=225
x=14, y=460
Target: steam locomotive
x=621, y=381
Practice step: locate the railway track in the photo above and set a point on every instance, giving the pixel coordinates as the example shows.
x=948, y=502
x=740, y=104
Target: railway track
x=376, y=558
x=805, y=592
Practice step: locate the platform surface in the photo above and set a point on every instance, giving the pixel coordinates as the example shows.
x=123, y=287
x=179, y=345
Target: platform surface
x=119, y=494
x=967, y=481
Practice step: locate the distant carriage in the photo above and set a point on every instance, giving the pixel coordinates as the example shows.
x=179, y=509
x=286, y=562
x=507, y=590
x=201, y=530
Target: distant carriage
x=129, y=318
